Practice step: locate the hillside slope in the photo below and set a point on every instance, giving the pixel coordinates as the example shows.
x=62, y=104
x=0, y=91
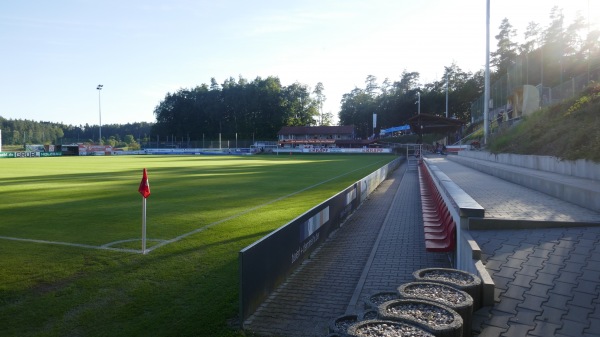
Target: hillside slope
x=569, y=130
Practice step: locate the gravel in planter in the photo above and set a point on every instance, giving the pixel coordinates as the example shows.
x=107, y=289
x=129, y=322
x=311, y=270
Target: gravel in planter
x=441, y=321
x=380, y=328
x=340, y=324
x=374, y=300
x=451, y=297
x=465, y=281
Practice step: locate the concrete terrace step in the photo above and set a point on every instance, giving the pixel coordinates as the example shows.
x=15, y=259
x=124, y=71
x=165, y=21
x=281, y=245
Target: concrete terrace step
x=584, y=192
x=546, y=280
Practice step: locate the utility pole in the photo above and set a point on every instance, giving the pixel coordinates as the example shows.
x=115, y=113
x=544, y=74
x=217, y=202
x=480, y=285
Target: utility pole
x=446, y=95
x=486, y=95
x=99, y=87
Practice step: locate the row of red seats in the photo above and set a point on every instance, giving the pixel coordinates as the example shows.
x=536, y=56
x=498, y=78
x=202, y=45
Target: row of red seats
x=440, y=228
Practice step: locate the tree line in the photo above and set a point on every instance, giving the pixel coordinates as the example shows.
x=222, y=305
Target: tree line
x=23, y=131
x=254, y=109
x=257, y=109
x=546, y=57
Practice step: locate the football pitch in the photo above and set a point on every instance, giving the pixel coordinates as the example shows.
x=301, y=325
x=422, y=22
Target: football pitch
x=70, y=237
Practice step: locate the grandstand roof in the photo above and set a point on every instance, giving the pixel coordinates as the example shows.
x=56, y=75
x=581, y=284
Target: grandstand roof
x=425, y=123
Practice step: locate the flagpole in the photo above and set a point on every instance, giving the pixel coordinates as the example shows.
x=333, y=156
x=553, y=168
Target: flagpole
x=144, y=226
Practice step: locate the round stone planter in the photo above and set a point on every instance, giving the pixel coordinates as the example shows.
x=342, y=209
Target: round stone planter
x=436, y=318
x=462, y=280
x=453, y=298
x=368, y=314
x=340, y=324
x=377, y=328
x=374, y=300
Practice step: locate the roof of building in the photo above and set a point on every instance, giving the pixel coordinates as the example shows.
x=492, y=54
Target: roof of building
x=354, y=141
x=321, y=130
x=425, y=123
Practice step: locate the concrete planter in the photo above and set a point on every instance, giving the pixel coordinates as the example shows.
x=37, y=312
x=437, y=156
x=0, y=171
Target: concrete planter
x=462, y=280
x=340, y=325
x=455, y=299
x=374, y=300
x=368, y=314
x=376, y=328
x=439, y=320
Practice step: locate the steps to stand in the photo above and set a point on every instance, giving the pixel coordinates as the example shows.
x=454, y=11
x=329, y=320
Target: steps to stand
x=414, y=153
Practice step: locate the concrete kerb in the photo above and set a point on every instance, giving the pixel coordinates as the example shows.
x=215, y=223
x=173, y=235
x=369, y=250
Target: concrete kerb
x=492, y=224
x=463, y=208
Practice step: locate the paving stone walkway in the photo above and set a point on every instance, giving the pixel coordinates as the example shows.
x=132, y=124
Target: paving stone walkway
x=377, y=249
x=547, y=280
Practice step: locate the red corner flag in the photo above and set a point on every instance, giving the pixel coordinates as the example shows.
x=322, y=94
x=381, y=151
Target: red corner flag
x=144, y=186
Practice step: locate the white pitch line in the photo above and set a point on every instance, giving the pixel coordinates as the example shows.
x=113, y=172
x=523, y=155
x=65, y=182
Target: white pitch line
x=128, y=240
x=182, y=236
x=198, y=230
x=80, y=245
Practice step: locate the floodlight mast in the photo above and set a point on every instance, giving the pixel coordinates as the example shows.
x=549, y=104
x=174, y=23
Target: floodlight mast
x=99, y=87
x=486, y=93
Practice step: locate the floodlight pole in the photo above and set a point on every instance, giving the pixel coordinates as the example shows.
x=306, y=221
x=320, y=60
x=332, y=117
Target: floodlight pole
x=446, y=138
x=418, y=102
x=486, y=95
x=446, y=95
x=99, y=87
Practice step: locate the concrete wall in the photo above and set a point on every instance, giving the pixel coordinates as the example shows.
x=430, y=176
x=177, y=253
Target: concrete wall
x=579, y=168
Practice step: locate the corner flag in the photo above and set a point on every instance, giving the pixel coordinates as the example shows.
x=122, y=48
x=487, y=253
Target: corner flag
x=144, y=188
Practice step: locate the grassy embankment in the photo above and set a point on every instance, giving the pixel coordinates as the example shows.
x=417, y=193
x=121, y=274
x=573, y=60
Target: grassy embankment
x=569, y=130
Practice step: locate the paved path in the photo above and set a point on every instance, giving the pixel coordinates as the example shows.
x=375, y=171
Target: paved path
x=547, y=280
x=377, y=249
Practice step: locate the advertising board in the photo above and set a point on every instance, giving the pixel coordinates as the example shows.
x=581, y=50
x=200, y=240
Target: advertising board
x=29, y=154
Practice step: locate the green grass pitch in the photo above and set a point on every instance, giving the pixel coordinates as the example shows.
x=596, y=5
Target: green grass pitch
x=70, y=237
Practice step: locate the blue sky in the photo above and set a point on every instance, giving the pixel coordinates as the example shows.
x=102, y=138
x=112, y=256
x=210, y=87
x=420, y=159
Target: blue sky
x=55, y=53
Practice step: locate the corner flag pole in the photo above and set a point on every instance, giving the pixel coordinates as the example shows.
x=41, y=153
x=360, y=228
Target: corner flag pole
x=144, y=190
x=144, y=226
